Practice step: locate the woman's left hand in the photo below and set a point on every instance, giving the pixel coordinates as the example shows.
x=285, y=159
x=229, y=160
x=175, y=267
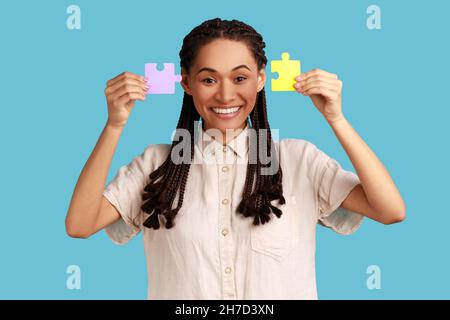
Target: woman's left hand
x=324, y=89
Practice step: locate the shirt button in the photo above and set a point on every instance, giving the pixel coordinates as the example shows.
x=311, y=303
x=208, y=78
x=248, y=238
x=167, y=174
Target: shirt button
x=227, y=270
x=224, y=169
x=224, y=149
x=225, y=201
x=224, y=232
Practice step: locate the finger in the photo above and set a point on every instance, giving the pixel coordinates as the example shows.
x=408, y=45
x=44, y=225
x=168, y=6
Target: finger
x=318, y=83
x=326, y=92
x=319, y=78
x=130, y=96
x=126, y=75
x=125, y=89
x=125, y=81
x=315, y=72
x=322, y=72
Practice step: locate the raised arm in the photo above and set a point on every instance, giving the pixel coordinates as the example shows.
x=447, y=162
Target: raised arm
x=377, y=196
x=89, y=211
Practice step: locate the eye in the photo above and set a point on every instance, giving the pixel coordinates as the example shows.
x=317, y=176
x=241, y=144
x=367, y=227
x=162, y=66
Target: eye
x=205, y=80
x=208, y=80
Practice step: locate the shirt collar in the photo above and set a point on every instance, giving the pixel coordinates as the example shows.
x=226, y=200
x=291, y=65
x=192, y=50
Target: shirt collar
x=208, y=145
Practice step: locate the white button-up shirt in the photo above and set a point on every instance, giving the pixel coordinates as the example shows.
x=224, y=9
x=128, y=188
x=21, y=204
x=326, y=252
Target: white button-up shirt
x=213, y=252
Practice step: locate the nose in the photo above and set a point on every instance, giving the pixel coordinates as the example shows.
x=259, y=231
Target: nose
x=226, y=92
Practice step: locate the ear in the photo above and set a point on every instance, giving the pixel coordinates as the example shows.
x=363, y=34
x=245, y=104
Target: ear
x=185, y=81
x=261, y=79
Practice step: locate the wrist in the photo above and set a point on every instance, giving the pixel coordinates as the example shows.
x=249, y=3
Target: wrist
x=335, y=120
x=114, y=126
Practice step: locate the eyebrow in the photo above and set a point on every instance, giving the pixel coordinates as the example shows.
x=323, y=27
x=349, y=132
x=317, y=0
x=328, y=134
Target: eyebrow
x=212, y=70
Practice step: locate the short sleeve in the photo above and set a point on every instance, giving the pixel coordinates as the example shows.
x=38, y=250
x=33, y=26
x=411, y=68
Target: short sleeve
x=333, y=184
x=124, y=192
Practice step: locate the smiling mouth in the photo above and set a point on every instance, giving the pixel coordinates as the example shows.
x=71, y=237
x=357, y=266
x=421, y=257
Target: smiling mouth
x=227, y=111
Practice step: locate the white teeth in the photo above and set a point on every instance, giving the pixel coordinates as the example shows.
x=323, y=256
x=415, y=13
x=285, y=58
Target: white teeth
x=226, y=110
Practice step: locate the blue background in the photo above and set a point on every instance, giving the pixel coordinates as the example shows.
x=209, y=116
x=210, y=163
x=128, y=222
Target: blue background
x=53, y=109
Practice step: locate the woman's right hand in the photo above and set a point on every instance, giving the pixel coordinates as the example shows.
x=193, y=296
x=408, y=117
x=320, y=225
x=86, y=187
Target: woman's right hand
x=121, y=94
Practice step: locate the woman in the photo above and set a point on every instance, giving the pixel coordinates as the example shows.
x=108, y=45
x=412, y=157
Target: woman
x=243, y=227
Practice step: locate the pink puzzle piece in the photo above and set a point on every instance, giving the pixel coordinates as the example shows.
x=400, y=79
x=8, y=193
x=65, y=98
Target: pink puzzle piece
x=161, y=82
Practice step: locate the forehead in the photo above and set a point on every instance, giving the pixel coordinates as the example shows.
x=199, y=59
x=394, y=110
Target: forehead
x=223, y=55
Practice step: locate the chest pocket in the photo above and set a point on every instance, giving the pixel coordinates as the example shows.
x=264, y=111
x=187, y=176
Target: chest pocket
x=277, y=237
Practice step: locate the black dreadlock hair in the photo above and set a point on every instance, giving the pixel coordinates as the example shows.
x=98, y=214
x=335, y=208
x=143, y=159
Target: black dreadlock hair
x=170, y=179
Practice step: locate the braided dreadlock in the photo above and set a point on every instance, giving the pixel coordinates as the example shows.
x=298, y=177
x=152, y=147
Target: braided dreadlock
x=170, y=179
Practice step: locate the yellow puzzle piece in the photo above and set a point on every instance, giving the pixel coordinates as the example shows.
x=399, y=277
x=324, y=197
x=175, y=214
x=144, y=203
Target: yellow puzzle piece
x=287, y=71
